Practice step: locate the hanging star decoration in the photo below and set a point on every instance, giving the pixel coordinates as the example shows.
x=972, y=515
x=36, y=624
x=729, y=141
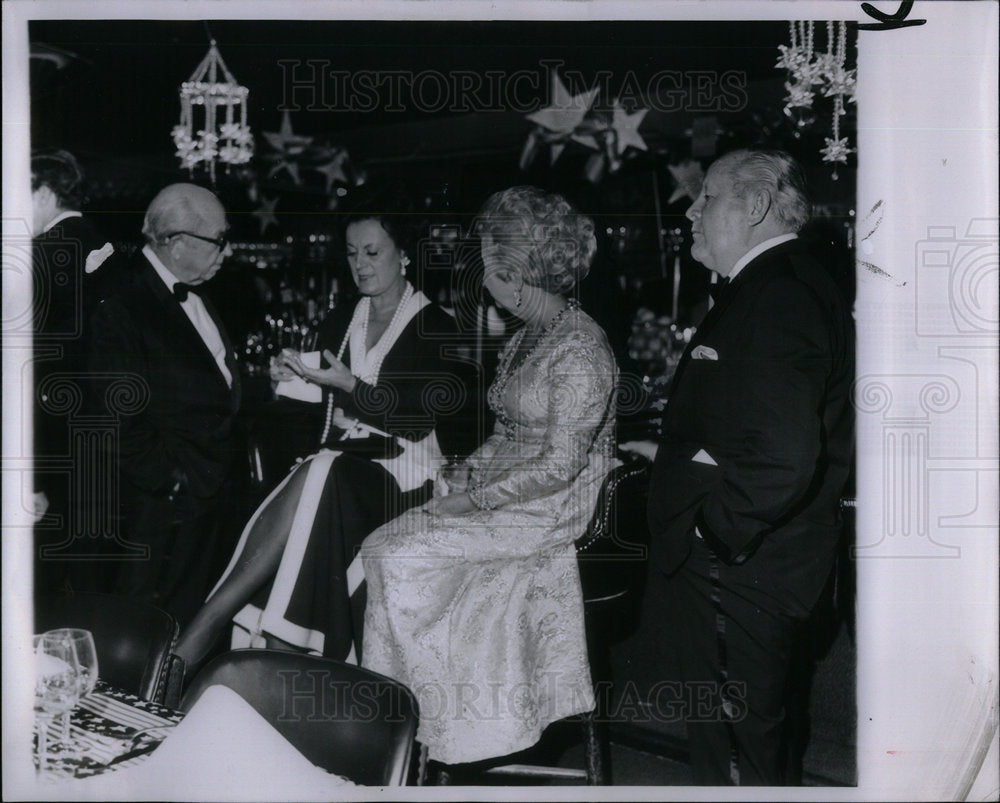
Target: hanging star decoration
x=559, y=122
x=285, y=140
x=615, y=131
x=566, y=111
x=689, y=177
x=292, y=168
x=265, y=213
x=573, y=118
x=626, y=128
x=334, y=169
x=288, y=147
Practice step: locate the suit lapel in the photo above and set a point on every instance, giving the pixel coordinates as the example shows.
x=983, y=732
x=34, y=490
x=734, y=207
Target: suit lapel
x=183, y=325
x=750, y=273
x=708, y=323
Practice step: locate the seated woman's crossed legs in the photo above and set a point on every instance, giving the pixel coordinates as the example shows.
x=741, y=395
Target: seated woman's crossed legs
x=258, y=562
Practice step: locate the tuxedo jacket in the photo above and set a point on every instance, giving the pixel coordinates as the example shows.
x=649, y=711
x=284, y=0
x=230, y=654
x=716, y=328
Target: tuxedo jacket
x=758, y=430
x=64, y=291
x=64, y=297
x=153, y=372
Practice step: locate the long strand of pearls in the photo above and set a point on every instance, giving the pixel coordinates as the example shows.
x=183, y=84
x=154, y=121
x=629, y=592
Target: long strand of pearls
x=378, y=352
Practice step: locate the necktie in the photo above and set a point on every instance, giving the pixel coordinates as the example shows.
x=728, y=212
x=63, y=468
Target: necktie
x=181, y=291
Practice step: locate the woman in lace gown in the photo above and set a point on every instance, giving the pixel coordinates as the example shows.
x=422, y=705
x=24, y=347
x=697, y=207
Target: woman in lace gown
x=474, y=599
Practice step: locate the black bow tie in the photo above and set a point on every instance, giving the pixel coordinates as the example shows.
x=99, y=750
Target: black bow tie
x=181, y=291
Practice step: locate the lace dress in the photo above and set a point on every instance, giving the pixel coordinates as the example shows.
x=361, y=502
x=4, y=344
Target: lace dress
x=481, y=614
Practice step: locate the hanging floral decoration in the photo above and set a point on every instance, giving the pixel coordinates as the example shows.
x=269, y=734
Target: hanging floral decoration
x=810, y=72
x=573, y=118
x=219, y=132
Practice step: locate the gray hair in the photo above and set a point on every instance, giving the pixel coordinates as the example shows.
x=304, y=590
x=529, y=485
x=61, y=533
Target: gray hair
x=175, y=208
x=774, y=171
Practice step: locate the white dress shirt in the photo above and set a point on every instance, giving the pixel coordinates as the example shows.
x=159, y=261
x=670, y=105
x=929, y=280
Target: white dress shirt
x=59, y=218
x=194, y=308
x=759, y=249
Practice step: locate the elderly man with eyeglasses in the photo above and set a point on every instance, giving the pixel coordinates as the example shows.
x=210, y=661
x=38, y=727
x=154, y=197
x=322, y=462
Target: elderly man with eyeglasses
x=164, y=371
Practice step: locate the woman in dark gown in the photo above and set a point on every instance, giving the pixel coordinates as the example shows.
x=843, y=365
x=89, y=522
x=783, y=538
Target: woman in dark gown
x=393, y=404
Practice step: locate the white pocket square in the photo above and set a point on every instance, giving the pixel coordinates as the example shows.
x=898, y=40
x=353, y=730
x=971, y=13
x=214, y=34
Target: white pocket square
x=704, y=353
x=704, y=457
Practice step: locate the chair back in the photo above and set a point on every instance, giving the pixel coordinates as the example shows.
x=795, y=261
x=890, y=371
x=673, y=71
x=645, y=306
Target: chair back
x=612, y=552
x=346, y=719
x=133, y=639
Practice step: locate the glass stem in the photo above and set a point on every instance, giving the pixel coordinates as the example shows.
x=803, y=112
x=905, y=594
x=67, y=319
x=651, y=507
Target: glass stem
x=43, y=744
x=66, y=729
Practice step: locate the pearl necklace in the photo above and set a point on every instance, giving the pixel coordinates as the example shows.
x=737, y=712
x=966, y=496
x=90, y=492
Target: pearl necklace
x=508, y=368
x=378, y=351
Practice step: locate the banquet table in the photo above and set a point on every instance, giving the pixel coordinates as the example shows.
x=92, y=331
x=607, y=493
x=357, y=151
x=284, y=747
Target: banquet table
x=124, y=748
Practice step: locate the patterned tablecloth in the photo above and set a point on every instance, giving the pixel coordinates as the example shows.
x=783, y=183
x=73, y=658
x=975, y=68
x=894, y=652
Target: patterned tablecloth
x=106, y=724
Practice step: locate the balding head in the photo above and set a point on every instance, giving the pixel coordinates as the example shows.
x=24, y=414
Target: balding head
x=179, y=225
x=179, y=207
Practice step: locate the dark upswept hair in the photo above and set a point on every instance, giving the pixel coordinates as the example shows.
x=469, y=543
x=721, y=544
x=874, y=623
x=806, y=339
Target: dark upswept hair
x=60, y=172
x=391, y=209
x=778, y=173
x=560, y=240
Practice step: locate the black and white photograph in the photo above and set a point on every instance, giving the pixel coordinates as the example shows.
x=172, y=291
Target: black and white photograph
x=561, y=401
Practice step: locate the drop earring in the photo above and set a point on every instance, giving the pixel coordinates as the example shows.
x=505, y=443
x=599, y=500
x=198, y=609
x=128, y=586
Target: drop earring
x=517, y=297
x=404, y=260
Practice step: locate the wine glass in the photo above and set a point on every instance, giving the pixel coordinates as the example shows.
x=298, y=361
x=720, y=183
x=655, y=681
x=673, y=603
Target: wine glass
x=57, y=685
x=86, y=655
x=86, y=659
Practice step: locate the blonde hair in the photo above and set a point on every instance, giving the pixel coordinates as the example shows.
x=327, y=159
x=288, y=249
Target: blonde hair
x=560, y=241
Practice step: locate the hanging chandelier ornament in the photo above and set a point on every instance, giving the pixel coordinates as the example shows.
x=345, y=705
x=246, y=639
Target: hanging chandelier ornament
x=809, y=72
x=218, y=133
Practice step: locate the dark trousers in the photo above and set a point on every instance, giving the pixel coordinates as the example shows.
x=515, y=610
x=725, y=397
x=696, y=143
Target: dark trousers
x=188, y=541
x=733, y=648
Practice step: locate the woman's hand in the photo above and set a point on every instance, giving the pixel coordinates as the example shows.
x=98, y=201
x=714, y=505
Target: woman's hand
x=645, y=449
x=450, y=505
x=278, y=371
x=337, y=375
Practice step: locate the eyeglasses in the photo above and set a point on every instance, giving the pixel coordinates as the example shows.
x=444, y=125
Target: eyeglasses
x=219, y=242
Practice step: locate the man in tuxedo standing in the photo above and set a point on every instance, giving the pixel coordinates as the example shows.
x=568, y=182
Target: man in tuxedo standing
x=757, y=445
x=69, y=267
x=162, y=362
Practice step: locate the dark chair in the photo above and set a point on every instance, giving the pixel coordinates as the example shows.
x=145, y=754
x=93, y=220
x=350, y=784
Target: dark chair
x=133, y=640
x=345, y=719
x=612, y=560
